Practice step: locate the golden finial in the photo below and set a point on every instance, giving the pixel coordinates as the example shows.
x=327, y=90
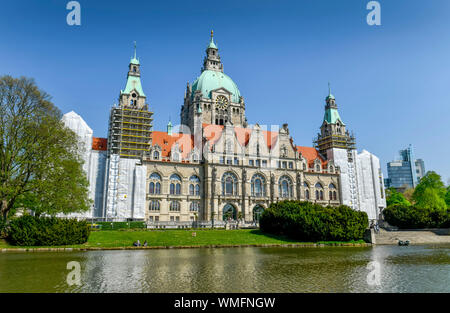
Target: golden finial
x=212, y=33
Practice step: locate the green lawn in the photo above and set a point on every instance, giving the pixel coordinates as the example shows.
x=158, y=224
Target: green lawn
x=117, y=238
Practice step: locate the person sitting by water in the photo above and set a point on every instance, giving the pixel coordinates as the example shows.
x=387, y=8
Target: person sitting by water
x=135, y=244
x=145, y=243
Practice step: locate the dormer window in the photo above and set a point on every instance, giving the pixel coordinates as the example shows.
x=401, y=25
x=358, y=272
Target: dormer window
x=134, y=69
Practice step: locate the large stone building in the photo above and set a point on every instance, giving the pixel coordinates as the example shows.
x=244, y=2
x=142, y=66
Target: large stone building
x=217, y=166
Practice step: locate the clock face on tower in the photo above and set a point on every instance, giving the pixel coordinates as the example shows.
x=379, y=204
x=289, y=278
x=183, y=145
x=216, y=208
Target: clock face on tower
x=222, y=102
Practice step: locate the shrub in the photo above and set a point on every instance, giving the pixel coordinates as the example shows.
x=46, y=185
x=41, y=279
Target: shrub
x=120, y=225
x=410, y=217
x=47, y=231
x=306, y=221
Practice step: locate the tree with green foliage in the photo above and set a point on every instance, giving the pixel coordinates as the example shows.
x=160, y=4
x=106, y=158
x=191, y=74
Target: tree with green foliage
x=447, y=197
x=40, y=163
x=394, y=197
x=430, y=192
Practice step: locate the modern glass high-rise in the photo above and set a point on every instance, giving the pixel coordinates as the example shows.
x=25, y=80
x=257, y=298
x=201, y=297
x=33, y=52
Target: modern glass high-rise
x=406, y=172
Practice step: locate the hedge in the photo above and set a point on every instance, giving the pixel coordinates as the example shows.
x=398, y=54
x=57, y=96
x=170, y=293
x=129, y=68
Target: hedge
x=411, y=217
x=119, y=225
x=307, y=221
x=47, y=231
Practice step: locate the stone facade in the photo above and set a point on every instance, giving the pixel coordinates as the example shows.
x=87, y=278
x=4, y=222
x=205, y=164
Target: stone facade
x=243, y=177
x=217, y=167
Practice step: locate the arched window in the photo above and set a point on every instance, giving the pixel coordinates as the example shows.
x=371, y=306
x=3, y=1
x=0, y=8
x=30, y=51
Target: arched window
x=285, y=187
x=304, y=166
x=175, y=184
x=174, y=206
x=306, y=186
x=152, y=188
x=154, y=205
x=195, y=206
x=194, y=186
x=332, y=192
x=155, y=176
x=229, y=184
x=258, y=185
x=156, y=155
x=319, y=191
x=155, y=184
x=317, y=168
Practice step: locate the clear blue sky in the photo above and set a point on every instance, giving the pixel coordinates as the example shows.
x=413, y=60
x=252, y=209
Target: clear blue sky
x=391, y=82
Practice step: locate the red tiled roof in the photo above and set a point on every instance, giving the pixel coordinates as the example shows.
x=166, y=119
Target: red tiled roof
x=100, y=144
x=213, y=133
x=311, y=154
x=166, y=141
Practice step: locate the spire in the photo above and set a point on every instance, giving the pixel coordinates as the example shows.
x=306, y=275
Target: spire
x=212, y=45
x=134, y=60
x=169, y=128
x=330, y=95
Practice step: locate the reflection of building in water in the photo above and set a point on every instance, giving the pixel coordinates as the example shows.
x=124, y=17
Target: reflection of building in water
x=218, y=166
x=115, y=271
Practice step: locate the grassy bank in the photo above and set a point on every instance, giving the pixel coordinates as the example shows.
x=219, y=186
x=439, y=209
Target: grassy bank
x=181, y=238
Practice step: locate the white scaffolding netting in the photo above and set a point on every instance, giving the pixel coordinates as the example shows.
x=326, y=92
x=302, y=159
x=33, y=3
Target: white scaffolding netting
x=74, y=122
x=94, y=163
x=126, y=188
x=370, y=184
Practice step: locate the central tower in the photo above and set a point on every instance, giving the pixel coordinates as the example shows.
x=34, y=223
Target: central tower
x=213, y=98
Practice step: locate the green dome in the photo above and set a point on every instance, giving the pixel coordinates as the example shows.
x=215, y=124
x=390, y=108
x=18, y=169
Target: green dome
x=211, y=80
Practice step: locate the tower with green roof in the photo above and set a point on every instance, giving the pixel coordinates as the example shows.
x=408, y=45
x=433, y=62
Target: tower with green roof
x=130, y=126
x=214, y=97
x=333, y=133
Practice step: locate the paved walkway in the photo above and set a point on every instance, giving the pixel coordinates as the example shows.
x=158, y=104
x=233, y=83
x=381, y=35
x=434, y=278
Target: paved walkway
x=425, y=236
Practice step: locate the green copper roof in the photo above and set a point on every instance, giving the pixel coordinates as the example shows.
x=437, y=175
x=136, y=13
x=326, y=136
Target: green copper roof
x=134, y=61
x=212, y=44
x=332, y=116
x=134, y=83
x=212, y=80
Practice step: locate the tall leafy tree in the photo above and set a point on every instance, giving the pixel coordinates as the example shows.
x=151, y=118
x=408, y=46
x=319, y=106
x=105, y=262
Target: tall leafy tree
x=40, y=164
x=430, y=192
x=394, y=197
x=447, y=197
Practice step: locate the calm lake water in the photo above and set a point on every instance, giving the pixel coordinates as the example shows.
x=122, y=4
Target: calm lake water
x=402, y=269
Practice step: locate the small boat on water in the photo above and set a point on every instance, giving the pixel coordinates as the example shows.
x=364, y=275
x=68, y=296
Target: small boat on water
x=403, y=243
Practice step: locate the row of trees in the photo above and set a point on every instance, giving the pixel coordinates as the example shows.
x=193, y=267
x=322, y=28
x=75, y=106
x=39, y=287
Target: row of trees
x=426, y=206
x=40, y=163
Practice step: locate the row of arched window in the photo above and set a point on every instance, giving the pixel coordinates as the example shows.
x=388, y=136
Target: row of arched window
x=230, y=186
x=319, y=191
x=174, y=186
x=174, y=206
